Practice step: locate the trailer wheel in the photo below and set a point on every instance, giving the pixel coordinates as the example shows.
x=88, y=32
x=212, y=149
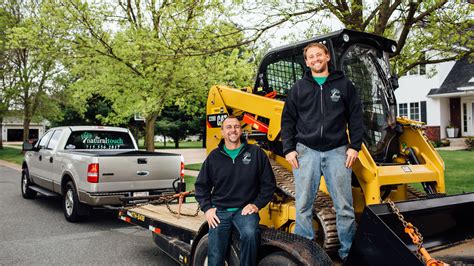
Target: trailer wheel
x=278, y=258
x=200, y=255
x=71, y=204
x=26, y=191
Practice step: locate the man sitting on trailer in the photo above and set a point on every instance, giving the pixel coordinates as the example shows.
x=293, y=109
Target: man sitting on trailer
x=235, y=182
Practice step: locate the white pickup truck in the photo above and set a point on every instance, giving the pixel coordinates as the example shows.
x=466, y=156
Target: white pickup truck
x=95, y=166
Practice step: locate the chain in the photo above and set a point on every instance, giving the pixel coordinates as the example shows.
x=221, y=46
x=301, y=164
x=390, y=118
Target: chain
x=167, y=199
x=183, y=214
x=410, y=229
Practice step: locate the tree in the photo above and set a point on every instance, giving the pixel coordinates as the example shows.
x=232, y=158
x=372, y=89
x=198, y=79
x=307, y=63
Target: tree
x=97, y=107
x=442, y=27
x=30, y=67
x=158, y=51
x=6, y=21
x=177, y=124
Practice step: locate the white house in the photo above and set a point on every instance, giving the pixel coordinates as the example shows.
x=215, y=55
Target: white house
x=12, y=129
x=445, y=99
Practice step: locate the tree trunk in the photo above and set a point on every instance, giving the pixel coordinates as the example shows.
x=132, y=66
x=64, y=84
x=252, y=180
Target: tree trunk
x=1, y=132
x=26, y=129
x=150, y=132
x=176, y=143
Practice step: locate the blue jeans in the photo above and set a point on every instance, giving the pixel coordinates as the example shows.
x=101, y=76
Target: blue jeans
x=331, y=164
x=219, y=237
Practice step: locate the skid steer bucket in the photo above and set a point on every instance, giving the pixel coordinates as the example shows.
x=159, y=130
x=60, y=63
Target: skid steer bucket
x=446, y=224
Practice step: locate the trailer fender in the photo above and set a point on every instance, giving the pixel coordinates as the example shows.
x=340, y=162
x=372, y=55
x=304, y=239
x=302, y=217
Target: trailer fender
x=302, y=250
x=203, y=230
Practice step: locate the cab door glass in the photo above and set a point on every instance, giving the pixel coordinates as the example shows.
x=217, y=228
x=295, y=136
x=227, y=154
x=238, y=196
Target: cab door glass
x=365, y=67
x=44, y=140
x=54, y=140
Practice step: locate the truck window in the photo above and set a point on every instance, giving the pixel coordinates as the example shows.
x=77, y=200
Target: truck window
x=44, y=140
x=54, y=139
x=99, y=140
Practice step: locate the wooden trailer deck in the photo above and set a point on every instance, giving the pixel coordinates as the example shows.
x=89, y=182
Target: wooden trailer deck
x=162, y=214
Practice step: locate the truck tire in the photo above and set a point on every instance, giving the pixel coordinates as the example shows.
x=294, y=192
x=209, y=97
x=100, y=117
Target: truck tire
x=200, y=255
x=71, y=204
x=278, y=258
x=26, y=191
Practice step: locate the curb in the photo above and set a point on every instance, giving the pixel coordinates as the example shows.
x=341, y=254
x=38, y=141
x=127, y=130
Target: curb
x=10, y=165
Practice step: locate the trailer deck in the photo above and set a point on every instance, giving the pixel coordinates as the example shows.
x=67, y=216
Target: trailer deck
x=161, y=213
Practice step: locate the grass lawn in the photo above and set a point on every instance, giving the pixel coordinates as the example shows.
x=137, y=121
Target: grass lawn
x=459, y=174
x=170, y=145
x=11, y=155
x=193, y=166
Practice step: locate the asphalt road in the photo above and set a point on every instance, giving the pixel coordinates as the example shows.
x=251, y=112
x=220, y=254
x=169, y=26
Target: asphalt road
x=34, y=232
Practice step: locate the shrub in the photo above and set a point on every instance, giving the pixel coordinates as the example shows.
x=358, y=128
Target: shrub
x=470, y=143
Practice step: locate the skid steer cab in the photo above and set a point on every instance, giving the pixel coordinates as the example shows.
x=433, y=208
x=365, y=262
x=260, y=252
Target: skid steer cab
x=397, y=162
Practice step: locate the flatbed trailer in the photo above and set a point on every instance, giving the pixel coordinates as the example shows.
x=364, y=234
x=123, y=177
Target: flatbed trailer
x=184, y=238
x=445, y=222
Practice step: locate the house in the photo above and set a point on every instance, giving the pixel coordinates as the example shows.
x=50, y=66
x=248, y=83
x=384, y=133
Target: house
x=446, y=99
x=12, y=129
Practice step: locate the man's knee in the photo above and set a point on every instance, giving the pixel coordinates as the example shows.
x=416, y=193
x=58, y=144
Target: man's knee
x=249, y=230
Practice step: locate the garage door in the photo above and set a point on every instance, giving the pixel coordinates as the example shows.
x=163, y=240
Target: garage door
x=17, y=134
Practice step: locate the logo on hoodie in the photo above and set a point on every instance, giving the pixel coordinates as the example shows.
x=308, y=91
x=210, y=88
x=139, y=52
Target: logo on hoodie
x=335, y=95
x=246, y=159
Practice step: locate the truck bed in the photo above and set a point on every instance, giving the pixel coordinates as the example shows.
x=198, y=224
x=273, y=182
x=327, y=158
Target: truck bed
x=162, y=214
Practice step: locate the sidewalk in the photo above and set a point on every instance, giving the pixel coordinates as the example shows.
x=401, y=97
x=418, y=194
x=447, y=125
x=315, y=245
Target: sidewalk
x=456, y=144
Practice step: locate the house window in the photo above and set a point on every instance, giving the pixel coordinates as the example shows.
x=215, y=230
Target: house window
x=423, y=111
x=403, y=109
x=415, y=111
x=464, y=117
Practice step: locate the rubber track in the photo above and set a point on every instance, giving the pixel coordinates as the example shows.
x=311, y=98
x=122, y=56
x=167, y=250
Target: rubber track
x=322, y=208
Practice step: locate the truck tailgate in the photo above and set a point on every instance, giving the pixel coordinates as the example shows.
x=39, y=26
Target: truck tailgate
x=138, y=171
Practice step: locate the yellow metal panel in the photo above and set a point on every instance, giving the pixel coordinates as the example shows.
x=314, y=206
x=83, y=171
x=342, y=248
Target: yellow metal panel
x=255, y=104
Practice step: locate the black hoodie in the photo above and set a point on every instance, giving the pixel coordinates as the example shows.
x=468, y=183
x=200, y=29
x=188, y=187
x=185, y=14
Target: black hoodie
x=318, y=116
x=226, y=183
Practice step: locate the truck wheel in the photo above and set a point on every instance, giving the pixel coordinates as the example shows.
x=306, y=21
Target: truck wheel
x=26, y=191
x=71, y=204
x=200, y=255
x=278, y=258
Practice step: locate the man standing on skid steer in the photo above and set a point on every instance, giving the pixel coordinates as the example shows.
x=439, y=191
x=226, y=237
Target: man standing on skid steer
x=318, y=110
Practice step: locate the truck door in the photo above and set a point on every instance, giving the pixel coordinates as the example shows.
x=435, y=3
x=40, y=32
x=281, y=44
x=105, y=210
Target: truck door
x=38, y=164
x=53, y=170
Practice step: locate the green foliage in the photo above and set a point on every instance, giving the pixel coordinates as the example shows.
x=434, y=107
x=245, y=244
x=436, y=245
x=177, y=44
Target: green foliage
x=193, y=166
x=175, y=123
x=470, y=143
x=31, y=50
x=154, y=56
x=427, y=32
x=96, y=107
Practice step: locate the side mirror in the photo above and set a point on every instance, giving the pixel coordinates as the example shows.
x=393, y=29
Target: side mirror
x=394, y=81
x=28, y=145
